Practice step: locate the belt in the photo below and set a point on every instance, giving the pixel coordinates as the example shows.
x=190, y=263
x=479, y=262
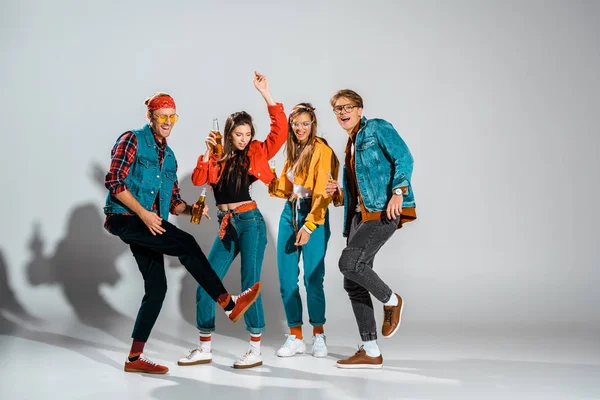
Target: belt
x=239, y=209
x=294, y=199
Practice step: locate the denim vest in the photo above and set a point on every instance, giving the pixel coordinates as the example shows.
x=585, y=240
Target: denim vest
x=383, y=162
x=146, y=179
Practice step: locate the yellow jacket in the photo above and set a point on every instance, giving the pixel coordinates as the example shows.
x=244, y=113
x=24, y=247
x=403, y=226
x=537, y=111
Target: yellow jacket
x=321, y=165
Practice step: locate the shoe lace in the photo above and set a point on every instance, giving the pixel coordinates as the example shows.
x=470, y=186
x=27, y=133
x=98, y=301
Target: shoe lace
x=289, y=341
x=319, y=340
x=360, y=348
x=245, y=292
x=192, y=352
x=247, y=354
x=144, y=359
x=387, y=315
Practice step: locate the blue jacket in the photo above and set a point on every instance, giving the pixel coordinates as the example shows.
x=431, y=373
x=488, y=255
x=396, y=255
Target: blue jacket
x=146, y=178
x=383, y=163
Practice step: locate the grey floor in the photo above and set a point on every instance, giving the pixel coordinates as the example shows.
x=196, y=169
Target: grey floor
x=67, y=359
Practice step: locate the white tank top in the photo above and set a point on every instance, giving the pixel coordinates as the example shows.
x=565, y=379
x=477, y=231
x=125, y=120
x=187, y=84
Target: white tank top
x=299, y=190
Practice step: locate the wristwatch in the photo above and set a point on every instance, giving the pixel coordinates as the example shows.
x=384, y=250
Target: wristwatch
x=398, y=192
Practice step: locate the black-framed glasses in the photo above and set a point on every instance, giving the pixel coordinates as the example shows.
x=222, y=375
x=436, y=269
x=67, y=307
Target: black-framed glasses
x=344, y=107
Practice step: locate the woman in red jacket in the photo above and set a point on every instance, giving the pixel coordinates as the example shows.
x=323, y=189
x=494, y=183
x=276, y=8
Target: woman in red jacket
x=242, y=229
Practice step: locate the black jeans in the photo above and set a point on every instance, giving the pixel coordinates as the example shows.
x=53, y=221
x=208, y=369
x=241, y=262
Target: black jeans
x=148, y=251
x=356, y=264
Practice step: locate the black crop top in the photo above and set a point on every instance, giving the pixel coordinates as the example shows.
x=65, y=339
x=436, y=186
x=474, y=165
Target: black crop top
x=225, y=192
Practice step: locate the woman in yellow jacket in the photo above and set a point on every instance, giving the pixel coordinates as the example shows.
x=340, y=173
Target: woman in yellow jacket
x=304, y=227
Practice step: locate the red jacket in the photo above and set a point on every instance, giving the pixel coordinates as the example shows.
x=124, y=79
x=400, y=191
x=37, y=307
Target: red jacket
x=259, y=153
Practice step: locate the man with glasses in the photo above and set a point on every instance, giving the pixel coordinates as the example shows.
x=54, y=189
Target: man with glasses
x=143, y=189
x=378, y=199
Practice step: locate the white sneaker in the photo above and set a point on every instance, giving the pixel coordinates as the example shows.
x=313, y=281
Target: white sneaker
x=319, y=348
x=199, y=355
x=291, y=347
x=251, y=358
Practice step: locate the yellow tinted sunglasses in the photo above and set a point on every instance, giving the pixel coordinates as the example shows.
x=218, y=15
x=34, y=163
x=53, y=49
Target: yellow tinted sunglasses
x=161, y=119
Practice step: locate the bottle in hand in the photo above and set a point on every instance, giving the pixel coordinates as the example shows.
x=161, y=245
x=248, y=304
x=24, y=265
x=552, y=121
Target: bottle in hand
x=336, y=197
x=274, y=182
x=218, y=138
x=198, y=207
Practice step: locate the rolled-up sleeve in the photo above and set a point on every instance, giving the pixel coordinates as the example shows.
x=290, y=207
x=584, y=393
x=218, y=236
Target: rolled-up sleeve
x=122, y=156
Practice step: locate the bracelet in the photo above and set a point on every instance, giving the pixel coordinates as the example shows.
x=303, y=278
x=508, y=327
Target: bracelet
x=306, y=229
x=310, y=225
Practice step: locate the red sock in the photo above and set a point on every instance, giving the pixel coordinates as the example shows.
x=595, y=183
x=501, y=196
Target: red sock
x=137, y=348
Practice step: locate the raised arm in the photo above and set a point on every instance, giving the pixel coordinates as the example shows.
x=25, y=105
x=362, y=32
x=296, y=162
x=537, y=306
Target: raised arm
x=279, y=127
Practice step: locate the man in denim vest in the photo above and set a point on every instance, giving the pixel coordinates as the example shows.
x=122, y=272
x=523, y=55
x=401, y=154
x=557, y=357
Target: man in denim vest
x=143, y=190
x=378, y=199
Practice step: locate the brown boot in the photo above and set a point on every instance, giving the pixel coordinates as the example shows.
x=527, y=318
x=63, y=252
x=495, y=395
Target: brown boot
x=361, y=360
x=391, y=318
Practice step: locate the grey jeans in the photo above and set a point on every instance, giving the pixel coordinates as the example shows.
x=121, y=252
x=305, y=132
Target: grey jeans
x=356, y=264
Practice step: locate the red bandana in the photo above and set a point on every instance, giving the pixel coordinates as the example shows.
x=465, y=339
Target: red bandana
x=161, y=102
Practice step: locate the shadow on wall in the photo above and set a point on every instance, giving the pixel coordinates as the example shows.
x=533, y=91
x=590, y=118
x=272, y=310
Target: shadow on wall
x=14, y=321
x=84, y=260
x=205, y=234
x=9, y=304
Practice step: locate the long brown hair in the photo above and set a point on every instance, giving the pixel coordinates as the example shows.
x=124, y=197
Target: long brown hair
x=235, y=162
x=295, y=152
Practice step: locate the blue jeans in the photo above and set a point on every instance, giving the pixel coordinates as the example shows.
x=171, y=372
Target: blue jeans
x=246, y=234
x=313, y=256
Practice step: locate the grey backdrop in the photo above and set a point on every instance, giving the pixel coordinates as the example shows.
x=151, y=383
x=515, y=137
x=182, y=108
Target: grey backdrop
x=498, y=102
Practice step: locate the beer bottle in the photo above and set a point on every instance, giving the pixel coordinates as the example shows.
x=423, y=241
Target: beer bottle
x=274, y=182
x=218, y=138
x=336, y=197
x=198, y=207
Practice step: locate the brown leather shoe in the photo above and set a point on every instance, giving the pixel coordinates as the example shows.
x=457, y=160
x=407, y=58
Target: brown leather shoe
x=361, y=360
x=391, y=318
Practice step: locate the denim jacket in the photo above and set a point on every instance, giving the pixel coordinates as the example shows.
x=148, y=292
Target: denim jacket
x=383, y=163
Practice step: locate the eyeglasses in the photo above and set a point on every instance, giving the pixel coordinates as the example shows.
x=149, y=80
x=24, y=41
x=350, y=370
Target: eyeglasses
x=161, y=119
x=304, y=124
x=346, y=107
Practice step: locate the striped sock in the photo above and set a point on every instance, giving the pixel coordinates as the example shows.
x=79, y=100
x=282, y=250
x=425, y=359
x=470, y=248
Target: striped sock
x=205, y=340
x=255, y=341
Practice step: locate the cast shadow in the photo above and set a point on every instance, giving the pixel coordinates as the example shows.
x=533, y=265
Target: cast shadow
x=8, y=300
x=187, y=388
x=14, y=321
x=84, y=260
x=500, y=379
x=205, y=234
x=451, y=379
x=85, y=348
